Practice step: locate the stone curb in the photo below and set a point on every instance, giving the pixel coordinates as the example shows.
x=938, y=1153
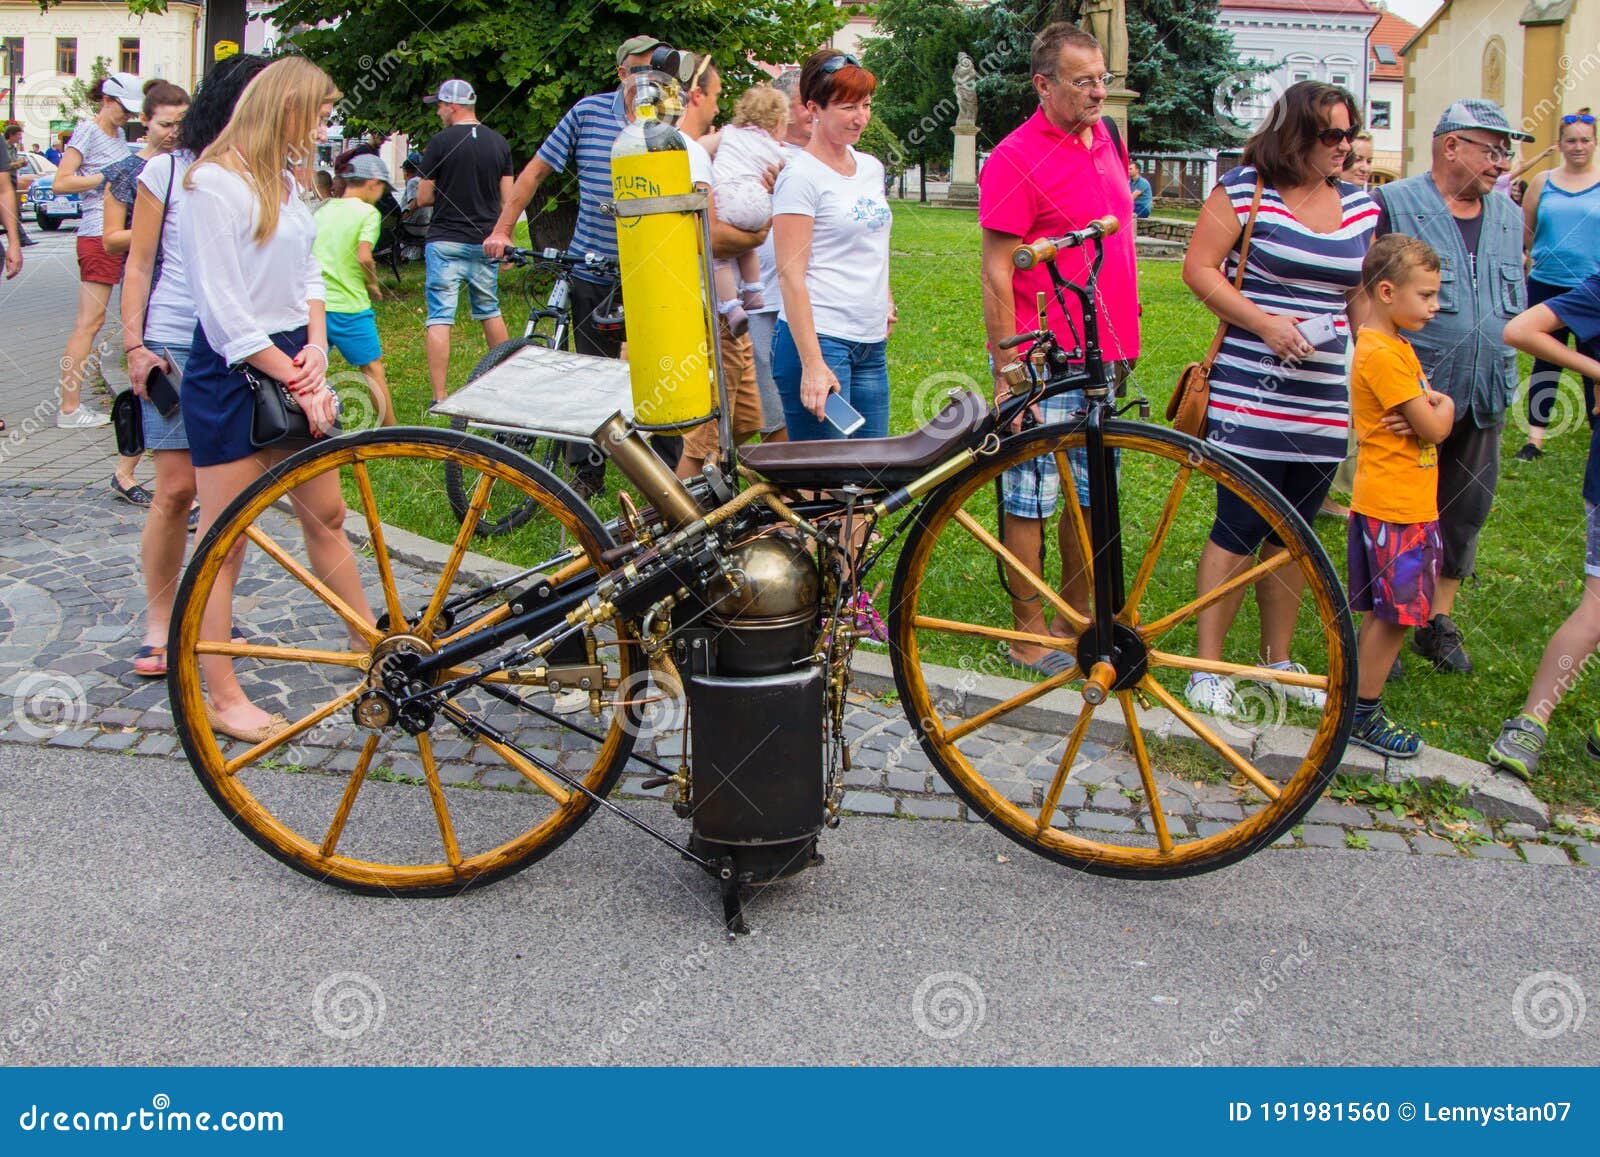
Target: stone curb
x=1496, y=796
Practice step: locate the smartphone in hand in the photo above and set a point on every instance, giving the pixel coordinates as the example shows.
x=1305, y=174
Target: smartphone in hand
x=841, y=415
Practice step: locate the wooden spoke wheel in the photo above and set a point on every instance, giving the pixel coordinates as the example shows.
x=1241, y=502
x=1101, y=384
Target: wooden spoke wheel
x=353, y=792
x=1137, y=782
x=508, y=510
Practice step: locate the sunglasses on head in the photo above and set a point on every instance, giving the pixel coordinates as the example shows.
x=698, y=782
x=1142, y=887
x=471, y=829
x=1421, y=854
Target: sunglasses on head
x=1332, y=137
x=835, y=63
x=1577, y=118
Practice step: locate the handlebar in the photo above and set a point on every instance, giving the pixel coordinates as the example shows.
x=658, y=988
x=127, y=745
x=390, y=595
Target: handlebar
x=1046, y=248
x=551, y=256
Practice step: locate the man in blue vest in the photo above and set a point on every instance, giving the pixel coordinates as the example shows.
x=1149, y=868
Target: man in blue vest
x=1479, y=241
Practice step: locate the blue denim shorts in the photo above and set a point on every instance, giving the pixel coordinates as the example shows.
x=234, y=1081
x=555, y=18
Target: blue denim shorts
x=165, y=433
x=450, y=263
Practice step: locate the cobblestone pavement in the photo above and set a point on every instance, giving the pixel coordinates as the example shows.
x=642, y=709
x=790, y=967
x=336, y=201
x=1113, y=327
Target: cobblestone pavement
x=71, y=618
x=38, y=307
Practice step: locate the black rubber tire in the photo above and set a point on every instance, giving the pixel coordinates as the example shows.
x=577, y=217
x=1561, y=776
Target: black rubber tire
x=236, y=801
x=1307, y=785
x=47, y=223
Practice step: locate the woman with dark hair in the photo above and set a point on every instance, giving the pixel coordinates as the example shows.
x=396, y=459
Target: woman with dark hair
x=830, y=224
x=96, y=143
x=158, y=320
x=1278, y=395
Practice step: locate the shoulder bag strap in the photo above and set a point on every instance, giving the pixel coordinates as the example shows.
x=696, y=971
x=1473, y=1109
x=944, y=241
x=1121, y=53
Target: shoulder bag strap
x=1116, y=137
x=1238, y=276
x=161, y=229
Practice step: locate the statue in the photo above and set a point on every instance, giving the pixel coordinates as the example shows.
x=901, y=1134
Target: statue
x=966, y=80
x=1107, y=22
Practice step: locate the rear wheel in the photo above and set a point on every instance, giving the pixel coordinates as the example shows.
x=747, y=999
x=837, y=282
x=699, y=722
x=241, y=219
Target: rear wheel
x=378, y=802
x=1147, y=785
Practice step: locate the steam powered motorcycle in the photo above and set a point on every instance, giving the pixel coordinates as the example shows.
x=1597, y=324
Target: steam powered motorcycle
x=716, y=617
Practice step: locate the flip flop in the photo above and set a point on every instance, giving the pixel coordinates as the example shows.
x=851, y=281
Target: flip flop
x=150, y=662
x=1051, y=663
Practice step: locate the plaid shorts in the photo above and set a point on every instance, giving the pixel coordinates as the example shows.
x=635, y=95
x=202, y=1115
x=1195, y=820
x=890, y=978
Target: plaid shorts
x=1393, y=568
x=1032, y=489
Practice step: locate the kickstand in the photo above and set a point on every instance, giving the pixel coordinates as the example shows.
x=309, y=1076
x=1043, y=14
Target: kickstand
x=732, y=905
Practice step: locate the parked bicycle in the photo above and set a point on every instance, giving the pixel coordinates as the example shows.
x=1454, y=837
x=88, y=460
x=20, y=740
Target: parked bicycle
x=720, y=616
x=547, y=326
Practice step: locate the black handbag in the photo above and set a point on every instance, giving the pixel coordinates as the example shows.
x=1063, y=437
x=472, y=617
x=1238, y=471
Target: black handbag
x=127, y=421
x=275, y=412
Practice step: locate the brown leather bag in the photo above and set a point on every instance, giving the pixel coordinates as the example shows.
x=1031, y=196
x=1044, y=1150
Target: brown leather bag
x=1186, y=409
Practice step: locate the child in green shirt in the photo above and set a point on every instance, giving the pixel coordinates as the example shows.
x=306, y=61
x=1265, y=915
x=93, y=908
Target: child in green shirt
x=347, y=228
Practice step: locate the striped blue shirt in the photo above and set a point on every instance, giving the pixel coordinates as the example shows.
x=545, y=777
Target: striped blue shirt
x=583, y=141
x=1300, y=411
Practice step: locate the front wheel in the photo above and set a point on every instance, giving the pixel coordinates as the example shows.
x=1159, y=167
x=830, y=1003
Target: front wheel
x=1148, y=785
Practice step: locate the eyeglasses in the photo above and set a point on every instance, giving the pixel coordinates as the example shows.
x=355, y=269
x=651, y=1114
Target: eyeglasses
x=1577, y=118
x=1084, y=84
x=834, y=63
x=1497, y=154
x=1333, y=137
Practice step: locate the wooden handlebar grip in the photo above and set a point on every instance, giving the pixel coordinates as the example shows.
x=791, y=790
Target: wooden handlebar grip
x=1027, y=256
x=1107, y=225
x=1099, y=685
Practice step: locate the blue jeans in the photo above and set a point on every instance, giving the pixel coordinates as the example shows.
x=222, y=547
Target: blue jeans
x=449, y=264
x=862, y=368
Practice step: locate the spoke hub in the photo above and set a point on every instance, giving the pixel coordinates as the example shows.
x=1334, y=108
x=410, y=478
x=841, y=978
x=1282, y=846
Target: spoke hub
x=1127, y=653
x=394, y=671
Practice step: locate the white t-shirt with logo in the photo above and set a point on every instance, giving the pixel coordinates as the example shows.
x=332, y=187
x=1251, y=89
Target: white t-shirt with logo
x=848, y=276
x=171, y=313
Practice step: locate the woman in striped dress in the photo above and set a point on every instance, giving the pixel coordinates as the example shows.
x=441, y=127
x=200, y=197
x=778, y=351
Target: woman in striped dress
x=1279, y=400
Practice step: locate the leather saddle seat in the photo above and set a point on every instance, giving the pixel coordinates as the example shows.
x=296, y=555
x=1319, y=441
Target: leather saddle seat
x=873, y=462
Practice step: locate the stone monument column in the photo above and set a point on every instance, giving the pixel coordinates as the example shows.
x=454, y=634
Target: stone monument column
x=1107, y=21
x=964, y=167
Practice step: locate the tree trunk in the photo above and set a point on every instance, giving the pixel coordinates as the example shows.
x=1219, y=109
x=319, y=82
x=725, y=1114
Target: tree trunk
x=922, y=180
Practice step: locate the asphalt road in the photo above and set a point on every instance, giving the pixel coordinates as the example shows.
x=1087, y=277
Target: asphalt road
x=141, y=928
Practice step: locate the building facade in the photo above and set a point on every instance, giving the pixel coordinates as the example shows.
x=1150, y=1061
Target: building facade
x=1386, y=95
x=60, y=45
x=1539, y=59
x=1298, y=40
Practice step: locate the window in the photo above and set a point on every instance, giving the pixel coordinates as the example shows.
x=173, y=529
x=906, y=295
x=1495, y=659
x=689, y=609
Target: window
x=67, y=55
x=1299, y=74
x=1339, y=80
x=13, y=45
x=128, y=55
x=1385, y=55
x=1378, y=116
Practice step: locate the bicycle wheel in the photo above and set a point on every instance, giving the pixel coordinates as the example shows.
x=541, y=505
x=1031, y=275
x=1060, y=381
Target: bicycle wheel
x=509, y=511
x=1148, y=787
x=373, y=807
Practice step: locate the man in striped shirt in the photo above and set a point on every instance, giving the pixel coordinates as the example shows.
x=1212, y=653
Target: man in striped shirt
x=581, y=141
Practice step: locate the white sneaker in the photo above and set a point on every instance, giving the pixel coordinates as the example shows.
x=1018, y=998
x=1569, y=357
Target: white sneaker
x=1299, y=696
x=83, y=418
x=1212, y=694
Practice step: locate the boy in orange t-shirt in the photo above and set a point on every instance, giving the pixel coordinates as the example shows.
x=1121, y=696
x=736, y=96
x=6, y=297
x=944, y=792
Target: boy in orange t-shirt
x=1394, y=546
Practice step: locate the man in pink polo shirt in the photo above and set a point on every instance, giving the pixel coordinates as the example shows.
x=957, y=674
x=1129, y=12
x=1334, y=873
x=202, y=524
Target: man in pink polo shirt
x=1055, y=173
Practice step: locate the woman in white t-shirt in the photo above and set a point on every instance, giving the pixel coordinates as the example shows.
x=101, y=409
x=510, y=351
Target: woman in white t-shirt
x=158, y=320
x=246, y=237
x=96, y=143
x=831, y=223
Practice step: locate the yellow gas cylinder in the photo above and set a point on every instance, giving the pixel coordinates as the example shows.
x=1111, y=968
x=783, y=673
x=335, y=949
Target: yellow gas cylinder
x=665, y=307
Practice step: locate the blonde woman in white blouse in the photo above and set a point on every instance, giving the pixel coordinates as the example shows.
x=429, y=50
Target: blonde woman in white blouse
x=246, y=241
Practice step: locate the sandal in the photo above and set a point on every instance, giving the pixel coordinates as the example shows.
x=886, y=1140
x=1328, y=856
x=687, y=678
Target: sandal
x=275, y=725
x=150, y=662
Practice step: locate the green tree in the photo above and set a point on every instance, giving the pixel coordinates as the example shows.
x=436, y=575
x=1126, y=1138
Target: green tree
x=913, y=59
x=878, y=140
x=76, y=105
x=1180, y=61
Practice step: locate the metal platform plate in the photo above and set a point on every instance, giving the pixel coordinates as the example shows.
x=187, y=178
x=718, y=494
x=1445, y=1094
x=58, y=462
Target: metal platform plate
x=545, y=392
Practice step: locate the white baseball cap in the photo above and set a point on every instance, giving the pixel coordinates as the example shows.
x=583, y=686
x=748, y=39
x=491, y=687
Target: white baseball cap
x=453, y=92
x=127, y=90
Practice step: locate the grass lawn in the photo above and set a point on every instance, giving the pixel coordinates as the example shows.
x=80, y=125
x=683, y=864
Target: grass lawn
x=1530, y=561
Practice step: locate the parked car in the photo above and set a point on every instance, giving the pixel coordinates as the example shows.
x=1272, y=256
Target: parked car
x=48, y=209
